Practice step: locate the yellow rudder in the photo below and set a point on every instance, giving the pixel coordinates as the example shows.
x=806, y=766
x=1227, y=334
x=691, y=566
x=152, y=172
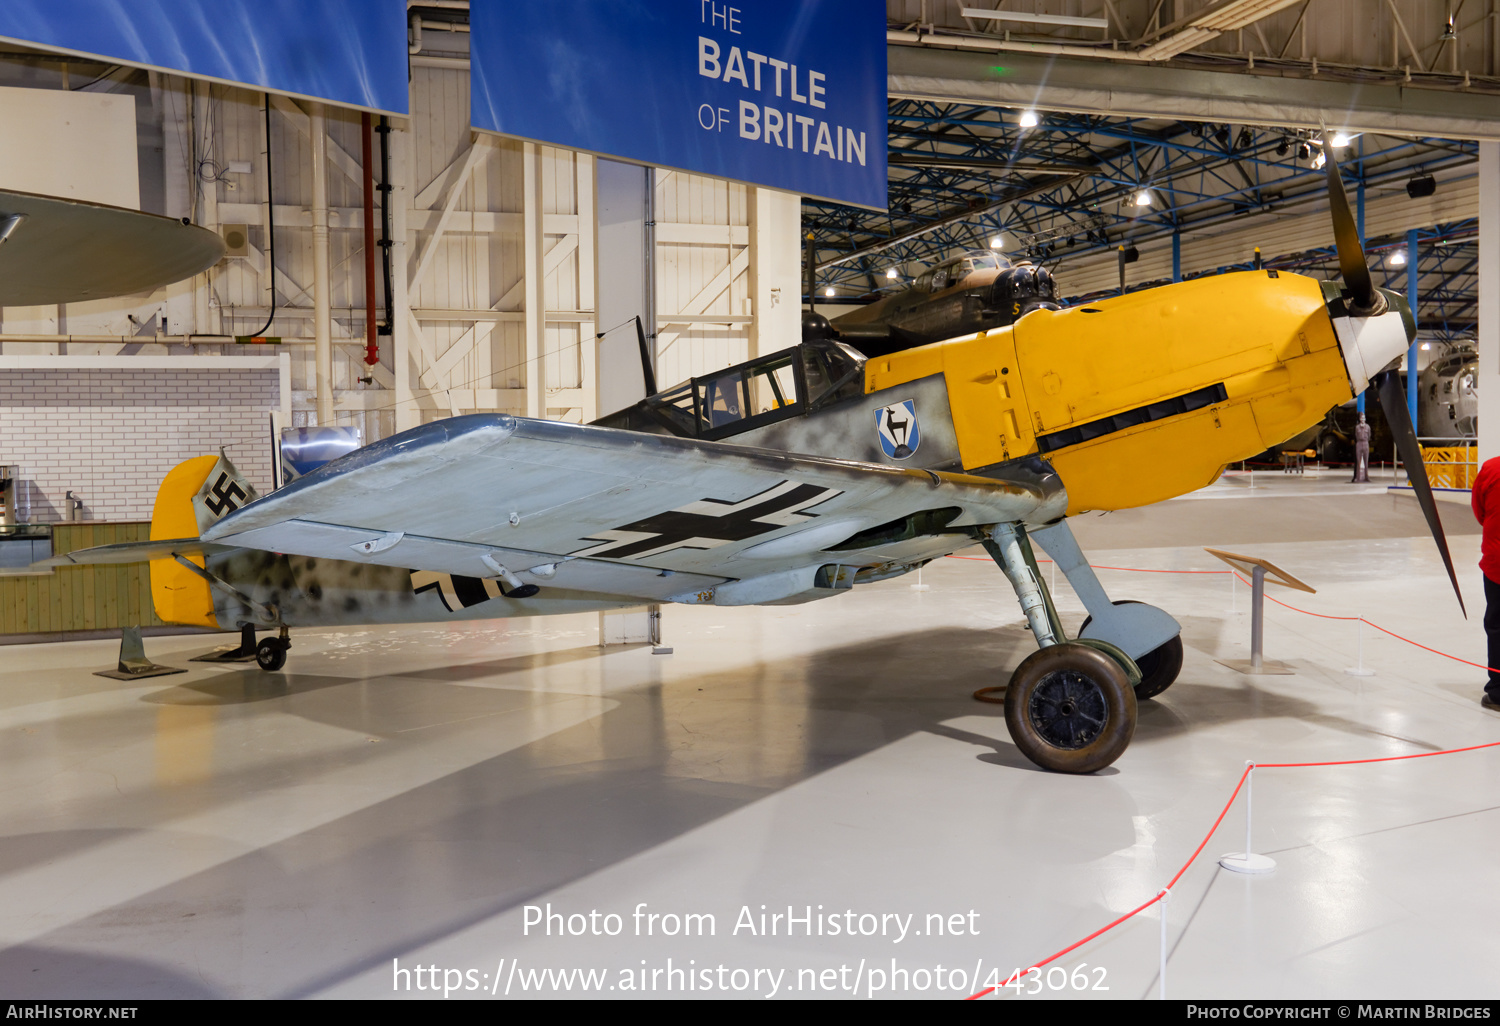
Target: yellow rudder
x=180, y=596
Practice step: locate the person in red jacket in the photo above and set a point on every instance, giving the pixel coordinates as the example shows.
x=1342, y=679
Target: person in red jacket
x=1485, y=499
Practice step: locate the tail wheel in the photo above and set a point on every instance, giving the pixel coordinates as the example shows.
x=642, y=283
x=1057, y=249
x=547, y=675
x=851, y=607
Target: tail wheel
x=1159, y=667
x=270, y=654
x=1070, y=709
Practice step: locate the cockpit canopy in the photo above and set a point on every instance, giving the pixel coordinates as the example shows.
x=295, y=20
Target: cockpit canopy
x=954, y=271
x=751, y=394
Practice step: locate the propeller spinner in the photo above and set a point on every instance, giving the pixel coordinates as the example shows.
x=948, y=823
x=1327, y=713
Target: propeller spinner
x=1368, y=311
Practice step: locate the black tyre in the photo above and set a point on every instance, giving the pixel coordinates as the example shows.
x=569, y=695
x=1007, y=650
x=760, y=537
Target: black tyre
x=1070, y=709
x=1159, y=667
x=270, y=654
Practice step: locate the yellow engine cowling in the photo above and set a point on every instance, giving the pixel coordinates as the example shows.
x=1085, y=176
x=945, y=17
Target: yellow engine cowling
x=1249, y=360
x=179, y=595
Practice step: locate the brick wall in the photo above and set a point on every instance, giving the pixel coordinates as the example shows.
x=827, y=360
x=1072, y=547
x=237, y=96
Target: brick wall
x=110, y=436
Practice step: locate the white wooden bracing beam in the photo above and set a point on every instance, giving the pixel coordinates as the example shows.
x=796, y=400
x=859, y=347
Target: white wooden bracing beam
x=336, y=155
x=477, y=155
x=534, y=279
x=550, y=262
x=583, y=189
x=433, y=189
x=715, y=288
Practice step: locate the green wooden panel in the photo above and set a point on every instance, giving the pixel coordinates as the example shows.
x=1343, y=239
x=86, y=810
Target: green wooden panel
x=81, y=598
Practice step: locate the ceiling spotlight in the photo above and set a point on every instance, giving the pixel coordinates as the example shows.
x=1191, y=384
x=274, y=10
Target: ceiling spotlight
x=1302, y=151
x=1426, y=346
x=1398, y=258
x=1143, y=198
x=891, y=274
x=1283, y=147
x=998, y=242
x=1319, y=160
x=1342, y=139
x=828, y=291
x=1420, y=186
x=1222, y=135
x=1028, y=119
x=1245, y=140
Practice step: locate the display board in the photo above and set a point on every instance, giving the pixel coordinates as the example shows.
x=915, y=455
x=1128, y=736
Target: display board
x=349, y=52
x=789, y=94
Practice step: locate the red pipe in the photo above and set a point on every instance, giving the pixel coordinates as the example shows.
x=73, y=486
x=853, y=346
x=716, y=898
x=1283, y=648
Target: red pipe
x=372, y=343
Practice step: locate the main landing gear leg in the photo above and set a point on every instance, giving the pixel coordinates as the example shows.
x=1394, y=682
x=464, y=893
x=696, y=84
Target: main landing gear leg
x=1069, y=706
x=1148, y=635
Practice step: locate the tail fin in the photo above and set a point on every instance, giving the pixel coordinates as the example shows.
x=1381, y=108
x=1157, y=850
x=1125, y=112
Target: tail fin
x=192, y=497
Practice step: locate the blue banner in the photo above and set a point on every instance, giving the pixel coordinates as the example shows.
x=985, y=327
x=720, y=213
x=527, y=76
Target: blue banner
x=789, y=94
x=349, y=52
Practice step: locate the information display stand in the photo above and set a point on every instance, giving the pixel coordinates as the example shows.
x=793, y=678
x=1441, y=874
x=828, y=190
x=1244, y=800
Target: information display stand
x=1258, y=570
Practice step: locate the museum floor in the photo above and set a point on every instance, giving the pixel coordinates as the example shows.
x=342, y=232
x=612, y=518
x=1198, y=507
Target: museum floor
x=399, y=797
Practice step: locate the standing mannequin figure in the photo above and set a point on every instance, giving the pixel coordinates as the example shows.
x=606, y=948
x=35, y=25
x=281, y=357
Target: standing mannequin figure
x=1361, y=452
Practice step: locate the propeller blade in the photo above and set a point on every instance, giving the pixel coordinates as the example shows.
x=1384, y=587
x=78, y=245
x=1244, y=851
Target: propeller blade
x=1120, y=257
x=1393, y=402
x=1346, y=234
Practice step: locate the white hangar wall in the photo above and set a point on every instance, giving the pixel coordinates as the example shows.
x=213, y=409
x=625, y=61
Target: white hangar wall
x=494, y=282
x=493, y=247
x=108, y=433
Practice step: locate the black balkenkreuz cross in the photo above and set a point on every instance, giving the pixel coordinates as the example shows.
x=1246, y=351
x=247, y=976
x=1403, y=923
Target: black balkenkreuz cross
x=709, y=523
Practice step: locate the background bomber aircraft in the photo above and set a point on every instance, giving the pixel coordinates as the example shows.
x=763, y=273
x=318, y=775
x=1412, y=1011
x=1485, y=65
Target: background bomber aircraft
x=805, y=473
x=976, y=291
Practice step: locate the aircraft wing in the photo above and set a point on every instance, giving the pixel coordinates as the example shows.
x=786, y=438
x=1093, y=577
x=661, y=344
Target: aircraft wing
x=599, y=509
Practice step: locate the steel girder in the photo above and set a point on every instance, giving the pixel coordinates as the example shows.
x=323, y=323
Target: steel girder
x=963, y=174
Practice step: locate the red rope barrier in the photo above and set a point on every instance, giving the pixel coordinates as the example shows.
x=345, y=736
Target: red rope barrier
x=1384, y=758
x=1284, y=605
x=1383, y=630
x=1095, y=566
x=1287, y=605
x=1434, y=651
x=1243, y=776
x=1138, y=909
x=1052, y=958
x=1143, y=570
x=1239, y=785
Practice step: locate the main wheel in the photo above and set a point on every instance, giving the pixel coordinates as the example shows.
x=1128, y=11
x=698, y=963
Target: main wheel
x=270, y=654
x=1159, y=667
x=1070, y=708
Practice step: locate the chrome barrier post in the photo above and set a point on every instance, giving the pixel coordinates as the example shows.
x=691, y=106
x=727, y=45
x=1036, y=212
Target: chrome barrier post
x=1358, y=669
x=1247, y=861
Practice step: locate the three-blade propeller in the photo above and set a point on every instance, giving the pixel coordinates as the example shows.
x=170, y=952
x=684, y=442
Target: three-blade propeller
x=1366, y=301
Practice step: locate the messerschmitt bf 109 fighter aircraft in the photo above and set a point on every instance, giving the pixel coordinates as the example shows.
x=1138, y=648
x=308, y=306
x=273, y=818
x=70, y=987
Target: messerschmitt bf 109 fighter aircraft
x=808, y=472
